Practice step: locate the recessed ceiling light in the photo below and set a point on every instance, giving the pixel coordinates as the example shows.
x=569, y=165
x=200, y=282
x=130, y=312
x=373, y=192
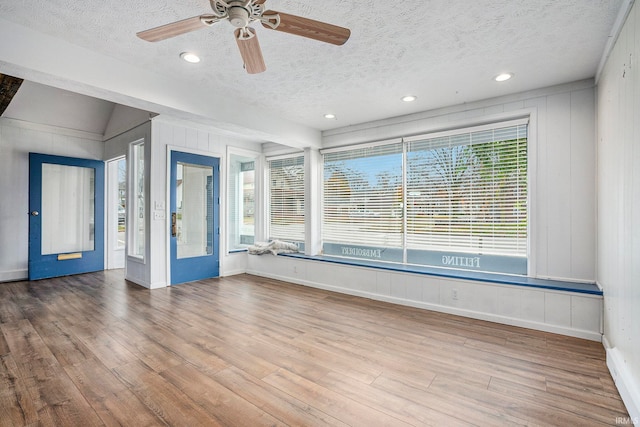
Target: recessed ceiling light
x=503, y=77
x=329, y=116
x=190, y=57
x=409, y=98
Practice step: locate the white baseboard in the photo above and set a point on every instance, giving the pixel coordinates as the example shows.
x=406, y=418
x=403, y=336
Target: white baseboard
x=157, y=285
x=14, y=275
x=523, y=323
x=145, y=284
x=628, y=386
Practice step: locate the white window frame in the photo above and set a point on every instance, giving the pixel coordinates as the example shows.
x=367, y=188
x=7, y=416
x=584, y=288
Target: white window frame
x=231, y=178
x=136, y=211
x=499, y=121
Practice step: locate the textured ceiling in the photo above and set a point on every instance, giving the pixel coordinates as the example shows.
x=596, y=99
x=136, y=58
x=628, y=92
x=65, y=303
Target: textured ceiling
x=443, y=51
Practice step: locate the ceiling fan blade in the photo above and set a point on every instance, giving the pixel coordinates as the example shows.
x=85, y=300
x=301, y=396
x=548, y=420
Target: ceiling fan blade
x=306, y=27
x=259, y=1
x=176, y=28
x=250, y=50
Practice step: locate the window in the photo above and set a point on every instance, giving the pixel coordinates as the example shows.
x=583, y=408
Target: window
x=194, y=210
x=363, y=203
x=69, y=201
x=286, y=199
x=455, y=199
x=137, y=201
x=241, y=201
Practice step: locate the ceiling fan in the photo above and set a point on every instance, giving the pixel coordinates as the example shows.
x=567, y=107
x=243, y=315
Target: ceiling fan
x=240, y=13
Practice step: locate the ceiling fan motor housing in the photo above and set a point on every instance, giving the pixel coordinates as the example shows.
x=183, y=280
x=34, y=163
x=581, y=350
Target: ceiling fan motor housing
x=238, y=16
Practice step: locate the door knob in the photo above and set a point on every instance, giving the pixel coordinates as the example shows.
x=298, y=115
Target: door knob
x=35, y=213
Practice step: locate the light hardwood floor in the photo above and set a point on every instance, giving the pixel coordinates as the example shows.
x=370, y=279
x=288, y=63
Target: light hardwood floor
x=247, y=351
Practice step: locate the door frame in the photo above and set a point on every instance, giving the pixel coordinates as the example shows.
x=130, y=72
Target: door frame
x=113, y=258
x=218, y=178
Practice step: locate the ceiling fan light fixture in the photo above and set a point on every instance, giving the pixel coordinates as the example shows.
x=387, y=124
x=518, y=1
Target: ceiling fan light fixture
x=503, y=77
x=409, y=98
x=330, y=116
x=190, y=57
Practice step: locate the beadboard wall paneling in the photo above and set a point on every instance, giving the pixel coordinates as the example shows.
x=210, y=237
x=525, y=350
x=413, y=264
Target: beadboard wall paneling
x=562, y=166
x=578, y=315
x=17, y=139
x=619, y=209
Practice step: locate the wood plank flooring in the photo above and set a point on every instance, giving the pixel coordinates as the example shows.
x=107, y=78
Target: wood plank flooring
x=246, y=351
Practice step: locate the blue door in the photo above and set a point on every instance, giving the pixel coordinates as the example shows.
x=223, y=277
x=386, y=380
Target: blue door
x=195, y=217
x=66, y=216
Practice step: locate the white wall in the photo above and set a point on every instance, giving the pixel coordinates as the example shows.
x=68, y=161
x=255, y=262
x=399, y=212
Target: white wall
x=562, y=167
x=135, y=269
x=572, y=314
x=17, y=139
x=124, y=118
x=118, y=146
x=562, y=207
x=619, y=209
x=168, y=134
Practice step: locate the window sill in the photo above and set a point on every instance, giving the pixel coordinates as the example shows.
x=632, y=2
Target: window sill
x=237, y=251
x=503, y=279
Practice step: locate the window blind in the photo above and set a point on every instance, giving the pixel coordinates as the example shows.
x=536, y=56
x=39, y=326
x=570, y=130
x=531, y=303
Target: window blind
x=363, y=198
x=286, y=199
x=455, y=199
x=468, y=192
